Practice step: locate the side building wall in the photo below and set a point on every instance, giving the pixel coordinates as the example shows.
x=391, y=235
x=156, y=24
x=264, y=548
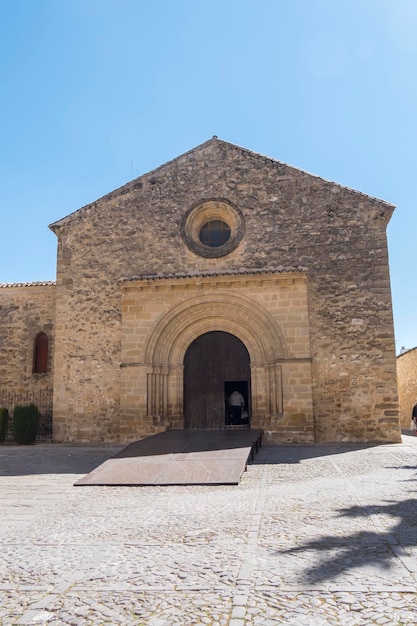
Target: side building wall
x=407, y=384
x=26, y=310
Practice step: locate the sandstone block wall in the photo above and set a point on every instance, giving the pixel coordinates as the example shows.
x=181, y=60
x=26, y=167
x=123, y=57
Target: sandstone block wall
x=160, y=318
x=407, y=384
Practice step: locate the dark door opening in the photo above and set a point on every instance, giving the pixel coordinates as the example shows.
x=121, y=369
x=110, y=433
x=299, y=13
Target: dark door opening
x=212, y=362
x=242, y=386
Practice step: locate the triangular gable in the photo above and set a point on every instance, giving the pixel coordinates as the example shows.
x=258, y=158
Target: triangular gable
x=201, y=148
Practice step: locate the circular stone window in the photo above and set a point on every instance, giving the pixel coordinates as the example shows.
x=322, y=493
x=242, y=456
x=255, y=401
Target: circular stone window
x=213, y=228
x=215, y=234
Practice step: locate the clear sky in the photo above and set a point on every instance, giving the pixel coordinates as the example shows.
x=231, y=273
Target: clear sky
x=97, y=92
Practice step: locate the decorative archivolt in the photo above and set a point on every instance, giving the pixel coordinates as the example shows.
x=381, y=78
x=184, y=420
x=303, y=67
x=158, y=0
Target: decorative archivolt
x=236, y=314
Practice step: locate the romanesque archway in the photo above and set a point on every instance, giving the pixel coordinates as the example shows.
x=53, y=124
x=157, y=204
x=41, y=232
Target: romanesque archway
x=237, y=315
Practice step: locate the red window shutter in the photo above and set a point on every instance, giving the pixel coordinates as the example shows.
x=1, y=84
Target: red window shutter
x=41, y=354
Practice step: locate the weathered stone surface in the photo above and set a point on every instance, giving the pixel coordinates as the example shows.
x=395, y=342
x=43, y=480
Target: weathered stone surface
x=407, y=384
x=337, y=362
x=312, y=536
x=25, y=311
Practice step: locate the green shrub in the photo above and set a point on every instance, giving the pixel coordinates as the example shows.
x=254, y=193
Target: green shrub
x=25, y=423
x=4, y=423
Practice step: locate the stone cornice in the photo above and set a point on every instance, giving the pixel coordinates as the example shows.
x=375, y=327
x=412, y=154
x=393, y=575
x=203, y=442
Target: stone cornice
x=219, y=278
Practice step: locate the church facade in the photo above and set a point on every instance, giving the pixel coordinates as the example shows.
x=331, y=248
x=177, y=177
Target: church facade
x=221, y=270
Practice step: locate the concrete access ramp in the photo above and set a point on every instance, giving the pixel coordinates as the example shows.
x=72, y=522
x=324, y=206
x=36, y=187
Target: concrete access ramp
x=180, y=457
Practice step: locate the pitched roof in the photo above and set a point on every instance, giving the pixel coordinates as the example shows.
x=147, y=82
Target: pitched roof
x=406, y=351
x=214, y=140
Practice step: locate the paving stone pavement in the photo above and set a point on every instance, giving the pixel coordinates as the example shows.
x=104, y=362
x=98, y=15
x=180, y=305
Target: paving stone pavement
x=312, y=536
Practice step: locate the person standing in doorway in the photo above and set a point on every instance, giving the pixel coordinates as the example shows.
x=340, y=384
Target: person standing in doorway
x=237, y=403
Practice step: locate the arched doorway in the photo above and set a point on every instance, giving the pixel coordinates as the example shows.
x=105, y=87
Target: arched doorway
x=215, y=364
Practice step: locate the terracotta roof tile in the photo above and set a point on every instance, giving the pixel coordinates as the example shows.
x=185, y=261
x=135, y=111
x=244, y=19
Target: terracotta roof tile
x=238, y=272
x=39, y=283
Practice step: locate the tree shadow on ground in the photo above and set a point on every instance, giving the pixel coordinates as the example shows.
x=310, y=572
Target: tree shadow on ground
x=379, y=548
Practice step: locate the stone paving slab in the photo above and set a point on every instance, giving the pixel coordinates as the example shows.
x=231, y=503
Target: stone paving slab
x=312, y=536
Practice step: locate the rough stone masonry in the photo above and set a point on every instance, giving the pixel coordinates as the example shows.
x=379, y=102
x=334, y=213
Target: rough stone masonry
x=224, y=243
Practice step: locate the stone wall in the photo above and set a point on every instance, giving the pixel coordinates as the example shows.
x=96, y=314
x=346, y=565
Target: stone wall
x=290, y=218
x=25, y=310
x=407, y=384
x=268, y=313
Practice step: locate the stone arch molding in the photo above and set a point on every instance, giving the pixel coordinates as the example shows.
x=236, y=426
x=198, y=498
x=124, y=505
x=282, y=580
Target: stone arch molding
x=236, y=314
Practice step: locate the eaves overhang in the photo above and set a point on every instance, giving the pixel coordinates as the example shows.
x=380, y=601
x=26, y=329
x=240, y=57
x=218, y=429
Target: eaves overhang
x=280, y=270
x=39, y=283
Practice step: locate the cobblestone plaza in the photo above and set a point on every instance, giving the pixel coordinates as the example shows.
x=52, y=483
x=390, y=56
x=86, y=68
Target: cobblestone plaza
x=312, y=535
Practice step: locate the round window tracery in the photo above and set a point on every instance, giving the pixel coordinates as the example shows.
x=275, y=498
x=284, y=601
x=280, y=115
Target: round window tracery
x=213, y=228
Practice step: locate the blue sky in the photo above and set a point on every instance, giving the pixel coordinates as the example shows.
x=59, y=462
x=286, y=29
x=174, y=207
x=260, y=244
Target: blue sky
x=97, y=92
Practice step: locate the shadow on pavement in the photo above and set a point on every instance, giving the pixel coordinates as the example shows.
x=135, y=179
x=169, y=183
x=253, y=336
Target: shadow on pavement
x=337, y=554
x=295, y=453
x=53, y=458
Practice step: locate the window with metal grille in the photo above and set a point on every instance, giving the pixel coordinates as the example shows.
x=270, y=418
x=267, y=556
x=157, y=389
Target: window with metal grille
x=40, y=357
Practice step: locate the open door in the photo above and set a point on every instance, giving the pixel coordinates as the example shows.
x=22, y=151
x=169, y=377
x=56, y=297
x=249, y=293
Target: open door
x=242, y=386
x=212, y=362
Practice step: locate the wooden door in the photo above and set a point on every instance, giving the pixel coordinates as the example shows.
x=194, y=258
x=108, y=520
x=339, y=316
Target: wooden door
x=210, y=361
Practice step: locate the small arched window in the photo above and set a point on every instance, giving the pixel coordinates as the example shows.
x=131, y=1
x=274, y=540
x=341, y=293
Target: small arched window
x=40, y=356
